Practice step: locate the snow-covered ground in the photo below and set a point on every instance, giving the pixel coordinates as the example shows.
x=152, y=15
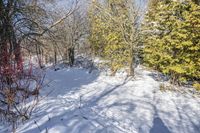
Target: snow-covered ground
x=80, y=102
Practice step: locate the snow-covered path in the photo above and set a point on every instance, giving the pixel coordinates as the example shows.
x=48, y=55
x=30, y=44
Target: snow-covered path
x=97, y=103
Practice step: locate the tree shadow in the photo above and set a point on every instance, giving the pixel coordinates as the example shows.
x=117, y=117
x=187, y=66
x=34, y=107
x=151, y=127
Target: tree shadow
x=85, y=120
x=127, y=106
x=159, y=126
x=95, y=112
x=95, y=100
x=78, y=115
x=69, y=80
x=158, y=76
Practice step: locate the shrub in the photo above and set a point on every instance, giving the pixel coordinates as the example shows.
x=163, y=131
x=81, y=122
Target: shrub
x=19, y=91
x=197, y=86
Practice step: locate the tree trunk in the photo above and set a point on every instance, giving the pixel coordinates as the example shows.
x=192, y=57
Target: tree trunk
x=71, y=56
x=18, y=57
x=4, y=55
x=131, y=62
x=38, y=52
x=55, y=56
x=46, y=58
x=14, y=127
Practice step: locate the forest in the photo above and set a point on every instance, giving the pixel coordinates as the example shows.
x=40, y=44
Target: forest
x=98, y=66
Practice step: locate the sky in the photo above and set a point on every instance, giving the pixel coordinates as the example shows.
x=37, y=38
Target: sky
x=65, y=4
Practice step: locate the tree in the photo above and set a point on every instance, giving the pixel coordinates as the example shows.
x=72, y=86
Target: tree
x=114, y=32
x=172, y=45
x=66, y=36
x=22, y=22
x=76, y=24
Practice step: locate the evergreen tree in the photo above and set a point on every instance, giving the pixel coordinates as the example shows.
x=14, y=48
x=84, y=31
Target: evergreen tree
x=112, y=33
x=172, y=43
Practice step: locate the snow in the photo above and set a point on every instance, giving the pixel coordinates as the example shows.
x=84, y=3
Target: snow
x=76, y=101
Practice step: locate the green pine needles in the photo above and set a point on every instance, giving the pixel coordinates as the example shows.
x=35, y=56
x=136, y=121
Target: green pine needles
x=172, y=39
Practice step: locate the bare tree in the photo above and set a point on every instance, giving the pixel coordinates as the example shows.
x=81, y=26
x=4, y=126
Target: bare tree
x=66, y=36
x=22, y=23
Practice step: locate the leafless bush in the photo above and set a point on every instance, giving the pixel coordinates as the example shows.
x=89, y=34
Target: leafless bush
x=19, y=91
x=83, y=62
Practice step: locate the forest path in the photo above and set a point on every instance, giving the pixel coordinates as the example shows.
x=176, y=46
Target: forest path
x=80, y=102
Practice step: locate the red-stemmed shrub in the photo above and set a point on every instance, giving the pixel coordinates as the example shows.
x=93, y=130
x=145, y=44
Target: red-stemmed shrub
x=19, y=90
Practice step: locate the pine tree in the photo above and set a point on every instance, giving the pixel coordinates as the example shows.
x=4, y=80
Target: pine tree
x=172, y=39
x=112, y=33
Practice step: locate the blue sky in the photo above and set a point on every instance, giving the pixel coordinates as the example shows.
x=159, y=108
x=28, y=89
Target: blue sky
x=68, y=3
